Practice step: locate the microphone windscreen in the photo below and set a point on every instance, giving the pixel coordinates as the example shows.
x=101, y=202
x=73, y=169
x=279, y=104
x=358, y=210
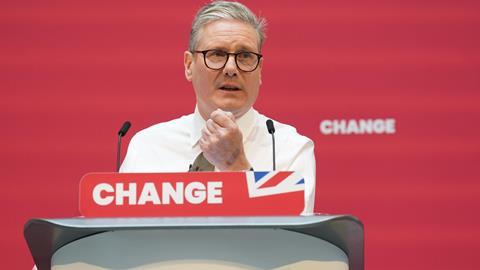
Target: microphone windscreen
x=123, y=130
x=270, y=127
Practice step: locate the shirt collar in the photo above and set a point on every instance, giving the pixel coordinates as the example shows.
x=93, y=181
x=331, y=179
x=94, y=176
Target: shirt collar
x=246, y=123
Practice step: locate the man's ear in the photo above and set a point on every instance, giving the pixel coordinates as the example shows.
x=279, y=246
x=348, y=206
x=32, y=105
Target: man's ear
x=187, y=62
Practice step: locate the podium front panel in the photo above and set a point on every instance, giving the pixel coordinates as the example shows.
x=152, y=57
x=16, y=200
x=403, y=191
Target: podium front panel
x=49, y=238
x=200, y=248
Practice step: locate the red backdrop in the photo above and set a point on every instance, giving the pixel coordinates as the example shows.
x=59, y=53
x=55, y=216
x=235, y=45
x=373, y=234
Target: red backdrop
x=72, y=72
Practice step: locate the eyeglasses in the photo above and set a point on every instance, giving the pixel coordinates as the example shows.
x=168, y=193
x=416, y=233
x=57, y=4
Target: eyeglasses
x=217, y=59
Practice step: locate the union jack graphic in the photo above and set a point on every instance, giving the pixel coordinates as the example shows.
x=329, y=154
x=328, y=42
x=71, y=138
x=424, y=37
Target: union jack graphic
x=272, y=183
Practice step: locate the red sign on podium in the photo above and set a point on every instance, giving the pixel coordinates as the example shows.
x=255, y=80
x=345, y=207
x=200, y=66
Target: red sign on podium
x=191, y=194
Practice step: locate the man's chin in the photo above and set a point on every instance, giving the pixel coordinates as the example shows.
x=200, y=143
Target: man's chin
x=236, y=106
x=230, y=106
x=237, y=112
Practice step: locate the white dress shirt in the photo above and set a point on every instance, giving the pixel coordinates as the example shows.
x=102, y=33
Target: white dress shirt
x=172, y=146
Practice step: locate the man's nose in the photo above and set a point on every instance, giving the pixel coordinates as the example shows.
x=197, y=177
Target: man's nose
x=230, y=68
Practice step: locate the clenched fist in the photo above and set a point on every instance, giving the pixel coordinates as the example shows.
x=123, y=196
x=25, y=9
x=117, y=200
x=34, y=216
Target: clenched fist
x=222, y=142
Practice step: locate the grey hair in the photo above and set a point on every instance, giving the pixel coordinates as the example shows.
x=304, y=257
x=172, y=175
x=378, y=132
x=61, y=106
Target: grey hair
x=218, y=10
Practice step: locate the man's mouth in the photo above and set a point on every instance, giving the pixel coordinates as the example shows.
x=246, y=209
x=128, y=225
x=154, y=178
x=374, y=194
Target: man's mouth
x=229, y=88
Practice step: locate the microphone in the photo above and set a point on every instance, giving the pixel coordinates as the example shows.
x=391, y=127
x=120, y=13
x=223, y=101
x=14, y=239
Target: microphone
x=123, y=130
x=271, y=130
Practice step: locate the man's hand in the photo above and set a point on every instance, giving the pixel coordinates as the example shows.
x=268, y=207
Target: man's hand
x=222, y=143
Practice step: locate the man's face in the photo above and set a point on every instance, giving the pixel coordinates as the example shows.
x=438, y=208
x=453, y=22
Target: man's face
x=229, y=88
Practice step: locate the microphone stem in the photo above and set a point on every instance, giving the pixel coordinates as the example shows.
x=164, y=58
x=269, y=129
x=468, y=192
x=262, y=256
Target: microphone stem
x=118, y=152
x=273, y=146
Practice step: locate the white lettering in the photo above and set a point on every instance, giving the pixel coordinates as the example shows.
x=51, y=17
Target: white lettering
x=168, y=191
x=97, y=191
x=358, y=127
x=149, y=194
x=352, y=127
x=326, y=127
x=390, y=126
x=214, y=192
x=378, y=126
x=120, y=193
x=366, y=125
x=339, y=126
x=195, y=192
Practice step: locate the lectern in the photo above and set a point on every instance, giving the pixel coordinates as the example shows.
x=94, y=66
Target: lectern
x=202, y=220
x=274, y=242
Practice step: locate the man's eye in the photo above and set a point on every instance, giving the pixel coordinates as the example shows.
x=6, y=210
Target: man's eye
x=218, y=53
x=245, y=55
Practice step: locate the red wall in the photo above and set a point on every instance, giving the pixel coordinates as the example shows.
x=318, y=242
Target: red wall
x=72, y=72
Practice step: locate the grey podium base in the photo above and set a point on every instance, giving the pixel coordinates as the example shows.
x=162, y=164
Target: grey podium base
x=208, y=242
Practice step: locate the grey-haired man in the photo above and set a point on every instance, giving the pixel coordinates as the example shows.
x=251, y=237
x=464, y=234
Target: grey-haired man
x=224, y=64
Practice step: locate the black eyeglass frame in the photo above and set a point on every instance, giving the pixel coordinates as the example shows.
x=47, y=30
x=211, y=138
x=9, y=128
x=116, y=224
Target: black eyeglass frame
x=259, y=56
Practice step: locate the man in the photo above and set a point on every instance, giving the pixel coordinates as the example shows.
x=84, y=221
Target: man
x=224, y=64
